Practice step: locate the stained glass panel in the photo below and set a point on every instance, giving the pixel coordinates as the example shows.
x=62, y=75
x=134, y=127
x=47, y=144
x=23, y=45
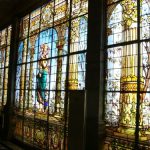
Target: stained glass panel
x=127, y=81
x=79, y=7
x=121, y=88
x=145, y=93
x=5, y=37
x=47, y=15
x=34, y=22
x=77, y=72
x=79, y=35
x=51, y=55
x=145, y=19
x=62, y=8
x=24, y=27
x=121, y=67
x=122, y=22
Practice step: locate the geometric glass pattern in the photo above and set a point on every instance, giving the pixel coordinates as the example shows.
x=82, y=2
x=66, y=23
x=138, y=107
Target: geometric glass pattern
x=51, y=61
x=127, y=85
x=5, y=37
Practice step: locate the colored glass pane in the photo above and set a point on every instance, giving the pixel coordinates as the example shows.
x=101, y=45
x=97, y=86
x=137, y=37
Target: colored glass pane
x=122, y=22
x=145, y=19
x=5, y=36
x=51, y=55
x=128, y=75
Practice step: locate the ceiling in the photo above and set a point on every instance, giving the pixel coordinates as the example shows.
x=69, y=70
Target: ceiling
x=9, y=9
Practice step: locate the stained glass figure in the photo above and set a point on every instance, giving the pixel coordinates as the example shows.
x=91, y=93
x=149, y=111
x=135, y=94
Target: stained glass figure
x=51, y=55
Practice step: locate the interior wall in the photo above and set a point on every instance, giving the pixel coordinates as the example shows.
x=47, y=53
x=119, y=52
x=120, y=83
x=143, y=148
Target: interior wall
x=11, y=9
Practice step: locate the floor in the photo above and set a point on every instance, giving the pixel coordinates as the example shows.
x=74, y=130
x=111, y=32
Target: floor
x=5, y=145
x=2, y=147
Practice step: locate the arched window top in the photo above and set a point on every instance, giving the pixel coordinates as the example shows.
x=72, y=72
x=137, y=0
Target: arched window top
x=83, y=33
x=47, y=36
x=115, y=15
x=115, y=26
x=49, y=39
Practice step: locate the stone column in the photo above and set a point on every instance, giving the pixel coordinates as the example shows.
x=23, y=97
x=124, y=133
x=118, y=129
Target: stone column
x=95, y=127
x=8, y=111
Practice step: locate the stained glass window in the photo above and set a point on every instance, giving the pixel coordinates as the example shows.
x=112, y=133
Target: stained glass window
x=51, y=61
x=127, y=85
x=5, y=36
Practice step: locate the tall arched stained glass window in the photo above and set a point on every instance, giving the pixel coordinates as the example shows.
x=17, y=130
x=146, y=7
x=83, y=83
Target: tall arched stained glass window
x=51, y=61
x=5, y=36
x=128, y=75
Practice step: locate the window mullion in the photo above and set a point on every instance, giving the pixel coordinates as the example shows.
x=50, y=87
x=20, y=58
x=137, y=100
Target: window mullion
x=138, y=79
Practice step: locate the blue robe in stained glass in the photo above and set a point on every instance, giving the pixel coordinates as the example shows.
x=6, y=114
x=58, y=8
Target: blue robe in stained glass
x=41, y=89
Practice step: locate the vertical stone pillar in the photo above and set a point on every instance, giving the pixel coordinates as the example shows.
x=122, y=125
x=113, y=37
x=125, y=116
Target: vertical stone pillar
x=95, y=127
x=8, y=111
